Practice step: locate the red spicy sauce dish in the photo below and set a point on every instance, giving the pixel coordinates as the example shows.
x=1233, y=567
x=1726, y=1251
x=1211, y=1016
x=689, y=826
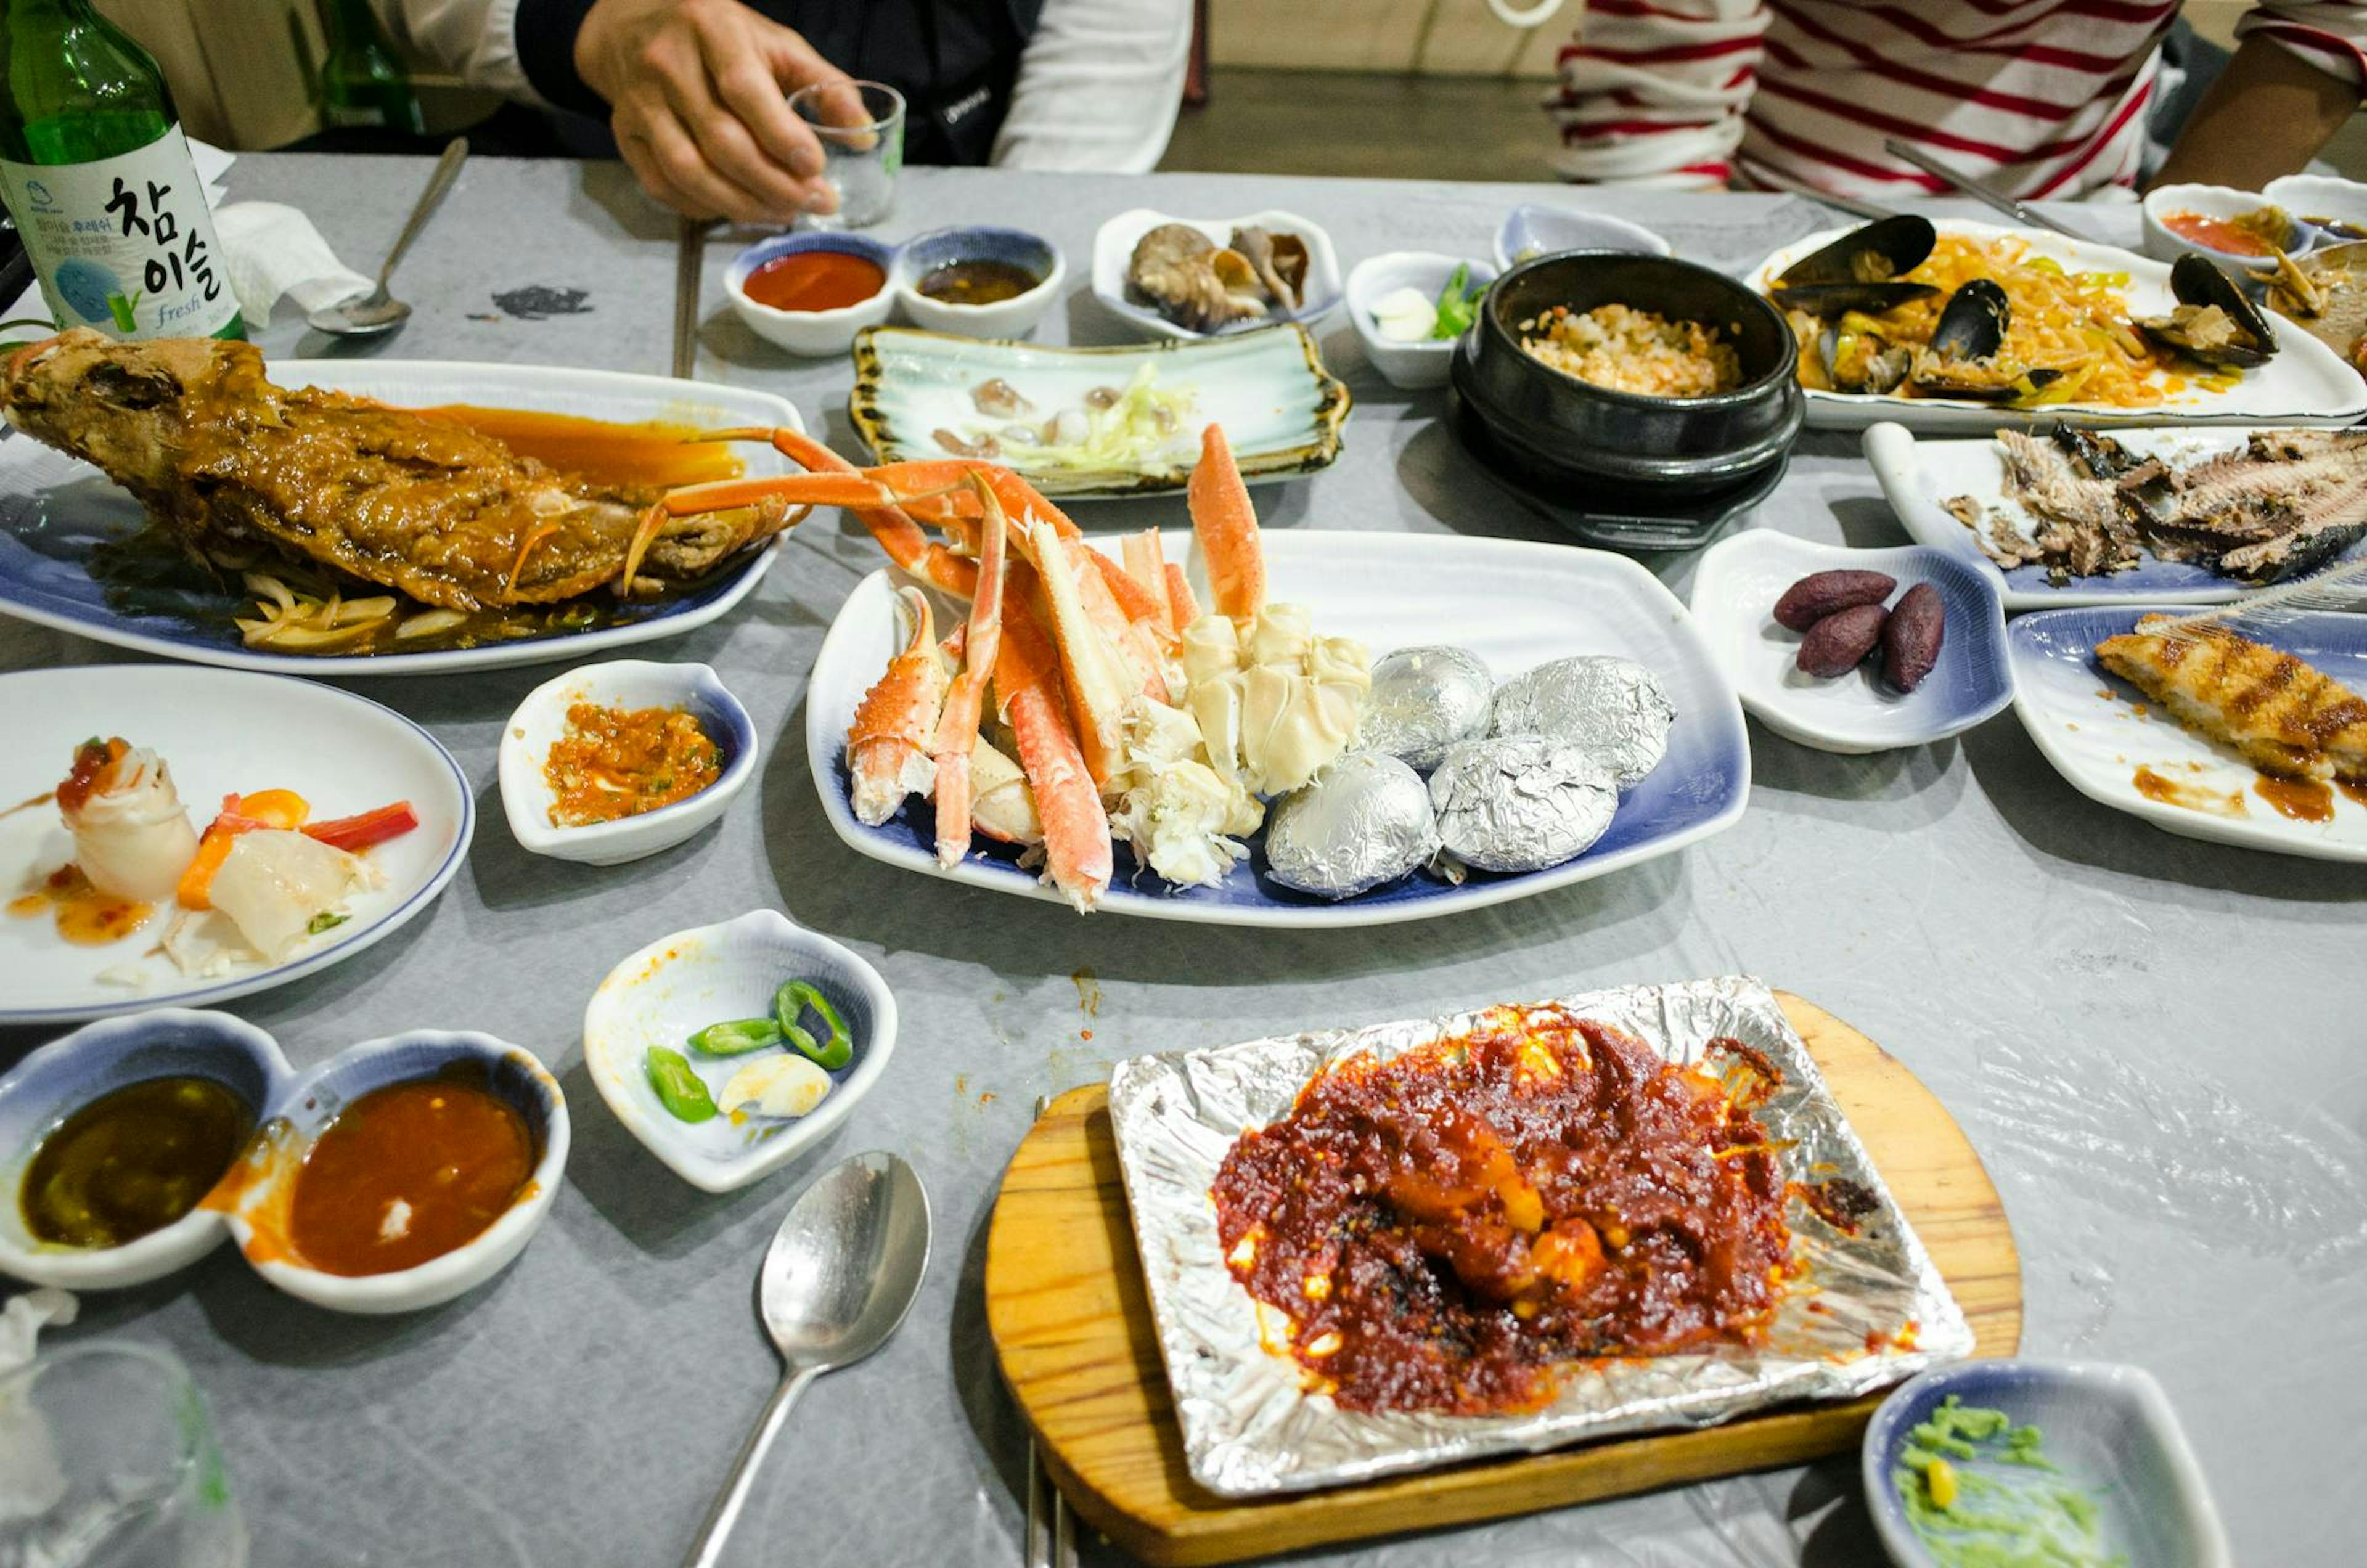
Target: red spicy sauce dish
x=815, y=280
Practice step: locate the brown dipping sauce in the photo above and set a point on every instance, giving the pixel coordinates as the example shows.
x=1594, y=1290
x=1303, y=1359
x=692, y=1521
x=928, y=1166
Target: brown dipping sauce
x=407, y=1173
x=979, y=282
x=2302, y=800
x=131, y=1161
x=618, y=762
x=85, y=915
x=1448, y=1228
x=2193, y=797
x=815, y=280
x=653, y=455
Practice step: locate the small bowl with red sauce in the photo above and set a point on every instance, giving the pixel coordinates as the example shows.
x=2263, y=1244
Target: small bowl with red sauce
x=811, y=293
x=616, y=760
x=978, y=281
x=2235, y=227
x=400, y=1173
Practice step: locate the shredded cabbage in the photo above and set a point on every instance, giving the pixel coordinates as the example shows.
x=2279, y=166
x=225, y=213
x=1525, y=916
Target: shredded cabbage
x=1143, y=432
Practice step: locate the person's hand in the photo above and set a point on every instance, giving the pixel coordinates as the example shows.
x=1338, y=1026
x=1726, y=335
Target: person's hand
x=698, y=93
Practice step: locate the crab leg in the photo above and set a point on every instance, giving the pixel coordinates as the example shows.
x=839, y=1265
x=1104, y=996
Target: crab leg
x=957, y=726
x=888, y=746
x=1146, y=562
x=1224, y=525
x=1027, y=694
x=893, y=527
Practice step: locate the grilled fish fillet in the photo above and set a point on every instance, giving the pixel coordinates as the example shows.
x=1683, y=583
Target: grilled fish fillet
x=2284, y=716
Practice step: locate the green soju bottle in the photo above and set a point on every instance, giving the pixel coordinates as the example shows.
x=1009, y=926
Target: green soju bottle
x=363, y=81
x=97, y=174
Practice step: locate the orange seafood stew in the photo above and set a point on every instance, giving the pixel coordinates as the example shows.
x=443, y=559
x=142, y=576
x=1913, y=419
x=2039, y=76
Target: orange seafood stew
x=407, y=1173
x=618, y=762
x=1447, y=1228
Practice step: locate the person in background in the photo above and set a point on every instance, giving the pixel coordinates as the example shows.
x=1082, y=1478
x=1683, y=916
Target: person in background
x=696, y=91
x=2043, y=98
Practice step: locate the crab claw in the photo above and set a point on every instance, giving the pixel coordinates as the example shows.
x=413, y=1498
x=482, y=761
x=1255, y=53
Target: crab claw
x=1225, y=527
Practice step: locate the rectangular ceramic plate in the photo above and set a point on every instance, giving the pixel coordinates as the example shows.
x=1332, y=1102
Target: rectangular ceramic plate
x=1281, y=410
x=2089, y=725
x=1918, y=476
x=1251, y=1428
x=55, y=510
x=2305, y=383
x=1514, y=604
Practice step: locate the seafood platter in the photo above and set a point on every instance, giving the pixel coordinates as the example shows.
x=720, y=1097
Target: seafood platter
x=1196, y=278
x=1940, y=327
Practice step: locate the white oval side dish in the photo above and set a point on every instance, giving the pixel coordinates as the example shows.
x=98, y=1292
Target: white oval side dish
x=680, y=984
x=542, y=719
x=1542, y=228
x=1114, y=248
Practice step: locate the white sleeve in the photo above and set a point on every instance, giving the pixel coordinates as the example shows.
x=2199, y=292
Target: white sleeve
x=1098, y=86
x=474, y=39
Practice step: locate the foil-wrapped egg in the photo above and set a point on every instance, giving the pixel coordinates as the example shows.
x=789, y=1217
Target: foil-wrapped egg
x=1613, y=708
x=1424, y=700
x=1362, y=820
x=1520, y=802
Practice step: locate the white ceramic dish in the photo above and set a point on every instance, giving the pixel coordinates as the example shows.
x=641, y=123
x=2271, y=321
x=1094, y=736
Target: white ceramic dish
x=61, y=1078
x=1114, y=248
x=257, y=1217
x=1540, y=228
x=1280, y=409
x=1735, y=589
x=1514, y=604
x=2306, y=383
x=2210, y=202
x=1014, y=317
x=2108, y=1426
x=2319, y=195
x=2098, y=731
x=220, y=732
x=625, y=683
x=679, y=985
x=1917, y=477
x=1410, y=365
x=55, y=512
x=813, y=334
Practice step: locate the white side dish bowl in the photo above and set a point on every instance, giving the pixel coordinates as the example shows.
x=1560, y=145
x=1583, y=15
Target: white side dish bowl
x=1014, y=317
x=680, y=984
x=814, y=334
x=1423, y=361
x=627, y=683
x=1114, y=248
x=2212, y=202
x=1540, y=228
x=2308, y=196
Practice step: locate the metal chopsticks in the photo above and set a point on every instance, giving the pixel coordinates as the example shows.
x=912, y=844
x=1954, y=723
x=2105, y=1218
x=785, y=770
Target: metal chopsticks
x=690, y=272
x=1974, y=186
x=1051, y=1539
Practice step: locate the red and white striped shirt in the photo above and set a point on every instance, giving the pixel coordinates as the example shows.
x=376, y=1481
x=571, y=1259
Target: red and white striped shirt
x=2044, y=97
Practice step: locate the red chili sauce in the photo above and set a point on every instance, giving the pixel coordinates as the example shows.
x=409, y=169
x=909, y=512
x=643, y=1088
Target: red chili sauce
x=814, y=281
x=1446, y=1229
x=2217, y=233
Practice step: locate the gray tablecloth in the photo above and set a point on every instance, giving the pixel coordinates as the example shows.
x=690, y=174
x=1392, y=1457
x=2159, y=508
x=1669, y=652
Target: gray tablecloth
x=2154, y=1042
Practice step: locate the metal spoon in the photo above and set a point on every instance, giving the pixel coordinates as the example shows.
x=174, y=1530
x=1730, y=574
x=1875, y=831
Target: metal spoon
x=376, y=311
x=840, y=1275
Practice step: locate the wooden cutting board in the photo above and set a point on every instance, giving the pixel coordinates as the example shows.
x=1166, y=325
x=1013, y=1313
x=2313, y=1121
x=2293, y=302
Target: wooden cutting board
x=1070, y=1318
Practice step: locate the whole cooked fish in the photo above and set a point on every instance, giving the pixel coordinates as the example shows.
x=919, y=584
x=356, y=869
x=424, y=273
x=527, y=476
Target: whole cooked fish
x=2284, y=716
x=226, y=461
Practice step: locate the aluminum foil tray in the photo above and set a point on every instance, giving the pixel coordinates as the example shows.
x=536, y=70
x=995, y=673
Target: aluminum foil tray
x=1251, y=1427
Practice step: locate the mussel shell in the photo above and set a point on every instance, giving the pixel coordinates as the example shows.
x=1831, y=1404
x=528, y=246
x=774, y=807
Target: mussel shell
x=2199, y=280
x=1883, y=367
x=1973, y=323
x=1903, y=241
x=1832, y=299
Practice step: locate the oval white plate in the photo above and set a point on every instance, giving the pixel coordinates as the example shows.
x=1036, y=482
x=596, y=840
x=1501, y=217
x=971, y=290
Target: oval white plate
x=2306, y=383
x=1514, y=603
x=1735, y=589
x=1918, y=476
x=2088, y=725
x=222, y=732
x=55, y=510
x=1114, y=248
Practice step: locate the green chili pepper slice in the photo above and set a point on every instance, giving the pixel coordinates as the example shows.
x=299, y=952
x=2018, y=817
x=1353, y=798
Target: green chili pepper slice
x=789, y=1004
x=679, y=1089
x=737, y=1037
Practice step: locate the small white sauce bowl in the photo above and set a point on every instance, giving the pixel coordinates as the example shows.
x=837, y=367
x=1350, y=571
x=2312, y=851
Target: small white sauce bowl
x=62, y=1076
x=1543, y=228
x=2319, y=195
x=680, y=984
x=625, y=684
x=816, y=334
x=1409, y=366
x=1014, y=317
x=317, y=1097
x=2212, y=202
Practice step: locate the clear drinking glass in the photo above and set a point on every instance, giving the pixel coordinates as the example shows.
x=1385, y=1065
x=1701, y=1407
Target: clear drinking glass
x=108, y=1460
x=861, y=128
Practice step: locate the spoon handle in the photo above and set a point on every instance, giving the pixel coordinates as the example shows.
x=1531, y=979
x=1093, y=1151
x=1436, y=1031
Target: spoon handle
x=727, y=1503
x=447, y=169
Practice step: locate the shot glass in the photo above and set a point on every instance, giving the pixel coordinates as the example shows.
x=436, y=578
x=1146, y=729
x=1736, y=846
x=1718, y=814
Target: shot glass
x=861, y=128
x=108, y=1460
